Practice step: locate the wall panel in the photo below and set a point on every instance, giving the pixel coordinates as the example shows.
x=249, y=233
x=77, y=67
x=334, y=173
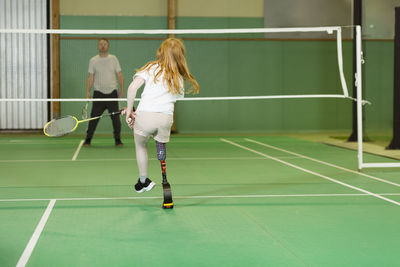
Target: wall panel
x=23, y=64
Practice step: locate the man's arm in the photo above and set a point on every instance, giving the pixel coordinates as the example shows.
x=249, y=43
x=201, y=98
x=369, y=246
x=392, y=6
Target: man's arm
x=89, y=84
x=121, y=82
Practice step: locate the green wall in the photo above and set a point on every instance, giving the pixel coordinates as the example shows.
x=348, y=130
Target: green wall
x=378, y=85
x=240, y=68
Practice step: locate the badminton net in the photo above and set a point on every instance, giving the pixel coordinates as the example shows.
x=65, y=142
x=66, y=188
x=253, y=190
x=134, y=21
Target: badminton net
x=229, y=64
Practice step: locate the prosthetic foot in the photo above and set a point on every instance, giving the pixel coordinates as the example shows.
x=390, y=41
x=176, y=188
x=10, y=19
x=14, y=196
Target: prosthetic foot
x=168, y=203
x=161, y=154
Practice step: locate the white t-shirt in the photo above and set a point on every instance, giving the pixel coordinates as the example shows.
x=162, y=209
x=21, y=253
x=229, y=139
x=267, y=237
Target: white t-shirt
x=155, y=96
x=104, y=70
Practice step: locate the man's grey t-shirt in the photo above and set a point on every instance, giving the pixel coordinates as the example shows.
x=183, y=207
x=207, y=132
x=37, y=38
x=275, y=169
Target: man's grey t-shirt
x=105, y=71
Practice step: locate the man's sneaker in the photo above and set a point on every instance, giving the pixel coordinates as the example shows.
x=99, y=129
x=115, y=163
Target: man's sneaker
x=118, y=143
x=87, y=142
x=146, y=186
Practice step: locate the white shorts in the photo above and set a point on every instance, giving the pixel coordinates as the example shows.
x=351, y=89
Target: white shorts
x=155, y=124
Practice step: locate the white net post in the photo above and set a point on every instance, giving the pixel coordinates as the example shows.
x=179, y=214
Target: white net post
x=359, y=98
x=361, y=163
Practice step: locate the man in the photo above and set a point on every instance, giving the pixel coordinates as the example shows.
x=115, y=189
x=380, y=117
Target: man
x=104, y=75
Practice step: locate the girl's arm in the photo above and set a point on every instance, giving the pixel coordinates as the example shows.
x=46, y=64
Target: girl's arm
x=132, y=90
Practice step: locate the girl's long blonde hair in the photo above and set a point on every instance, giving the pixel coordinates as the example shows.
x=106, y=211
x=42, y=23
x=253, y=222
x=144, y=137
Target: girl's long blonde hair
x=172, y=62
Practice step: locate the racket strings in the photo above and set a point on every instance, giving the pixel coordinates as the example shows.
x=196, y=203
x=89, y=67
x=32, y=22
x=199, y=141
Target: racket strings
x=62, y=126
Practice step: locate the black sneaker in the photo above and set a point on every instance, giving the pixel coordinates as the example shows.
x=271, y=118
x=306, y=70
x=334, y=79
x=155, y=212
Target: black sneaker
x=87, y=142
x=118, y=143
x=146, y=186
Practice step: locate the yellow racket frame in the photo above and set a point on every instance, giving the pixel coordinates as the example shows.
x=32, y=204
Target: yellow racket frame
x=77, y=122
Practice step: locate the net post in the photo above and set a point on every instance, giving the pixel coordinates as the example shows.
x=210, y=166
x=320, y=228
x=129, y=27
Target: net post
x=395, y=143
x=55, y=60
x=358, y=84
x=171, y=16
x=171, y=26
x=357, y=20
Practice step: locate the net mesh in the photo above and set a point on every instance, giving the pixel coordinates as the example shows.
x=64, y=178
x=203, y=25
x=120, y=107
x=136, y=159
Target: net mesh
x=239, y=68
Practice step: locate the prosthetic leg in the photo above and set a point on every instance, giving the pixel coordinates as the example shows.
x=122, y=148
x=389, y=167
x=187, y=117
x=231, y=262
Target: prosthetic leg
x=161, y=155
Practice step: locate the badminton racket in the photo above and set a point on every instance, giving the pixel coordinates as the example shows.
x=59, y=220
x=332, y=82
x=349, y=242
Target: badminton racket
x=68, y=124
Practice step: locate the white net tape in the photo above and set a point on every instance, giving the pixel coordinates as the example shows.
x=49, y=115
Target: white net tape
x=181, y=99
x=329, y=30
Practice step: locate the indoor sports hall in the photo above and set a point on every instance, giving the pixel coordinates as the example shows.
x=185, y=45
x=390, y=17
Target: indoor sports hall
x=289, y=155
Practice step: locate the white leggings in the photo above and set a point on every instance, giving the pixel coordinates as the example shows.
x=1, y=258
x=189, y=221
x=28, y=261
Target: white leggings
x=141, y=154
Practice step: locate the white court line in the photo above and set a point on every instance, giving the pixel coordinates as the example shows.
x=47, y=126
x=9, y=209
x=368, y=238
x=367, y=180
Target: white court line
x=130, y=159
x=323, y=162
x=77, y=150
x=311, y=172
x=194, y=197
x=36, y=234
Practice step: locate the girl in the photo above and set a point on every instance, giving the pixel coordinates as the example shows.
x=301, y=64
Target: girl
x=164, y=80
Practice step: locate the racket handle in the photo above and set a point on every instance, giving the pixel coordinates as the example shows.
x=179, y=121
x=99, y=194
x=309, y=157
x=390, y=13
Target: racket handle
x=119, y=112
x=114, y=113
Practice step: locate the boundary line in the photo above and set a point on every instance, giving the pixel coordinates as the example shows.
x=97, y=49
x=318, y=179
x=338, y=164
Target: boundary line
x=130, y=159
x=77, y=150
x=311, y=172
x=195, y=197
x=36, y=234
x=323, y=162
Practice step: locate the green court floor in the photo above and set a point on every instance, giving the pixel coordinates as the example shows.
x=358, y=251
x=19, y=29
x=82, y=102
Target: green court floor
x=239, y=201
